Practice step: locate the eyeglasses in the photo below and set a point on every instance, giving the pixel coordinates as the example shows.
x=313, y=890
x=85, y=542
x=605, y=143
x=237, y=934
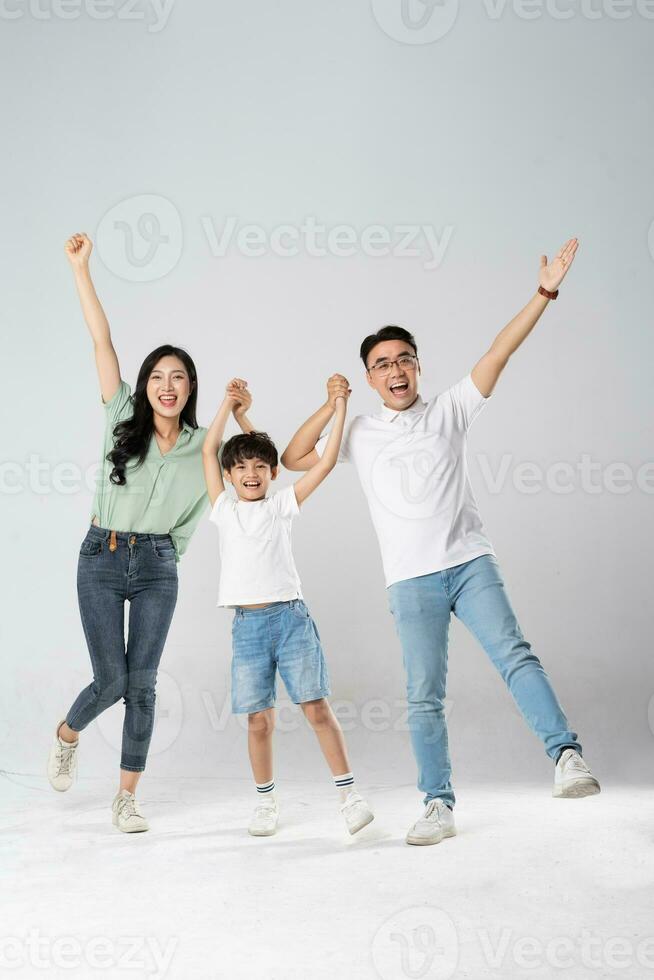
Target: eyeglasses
x=408, y=362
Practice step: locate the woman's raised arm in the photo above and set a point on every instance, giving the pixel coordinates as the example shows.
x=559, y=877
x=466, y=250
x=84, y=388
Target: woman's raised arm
x=78, y=250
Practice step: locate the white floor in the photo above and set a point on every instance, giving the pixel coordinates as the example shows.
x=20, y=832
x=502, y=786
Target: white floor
x=531, y=886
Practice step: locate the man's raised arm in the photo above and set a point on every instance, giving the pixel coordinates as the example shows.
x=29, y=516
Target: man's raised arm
x=487, y=371
x=301, y=454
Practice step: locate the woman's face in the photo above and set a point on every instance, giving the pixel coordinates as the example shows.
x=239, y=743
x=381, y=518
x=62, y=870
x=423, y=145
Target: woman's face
x=169, y=387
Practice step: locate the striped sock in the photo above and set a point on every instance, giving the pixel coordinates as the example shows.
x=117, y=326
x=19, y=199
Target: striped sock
x=344, y=784
x=266, y=789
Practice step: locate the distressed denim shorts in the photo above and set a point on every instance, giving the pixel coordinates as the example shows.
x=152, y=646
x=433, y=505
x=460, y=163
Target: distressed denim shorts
x=279, y=636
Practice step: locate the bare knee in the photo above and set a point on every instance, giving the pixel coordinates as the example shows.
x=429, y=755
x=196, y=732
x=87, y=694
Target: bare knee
x=318, y=713
x=261, y=723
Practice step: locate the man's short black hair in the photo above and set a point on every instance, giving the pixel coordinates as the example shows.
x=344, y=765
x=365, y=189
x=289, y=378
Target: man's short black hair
x=249, y=445
x=386, y=333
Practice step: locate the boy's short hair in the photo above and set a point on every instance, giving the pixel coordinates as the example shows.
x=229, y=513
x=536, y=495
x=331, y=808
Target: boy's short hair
x=249, y=445
x=386, y=333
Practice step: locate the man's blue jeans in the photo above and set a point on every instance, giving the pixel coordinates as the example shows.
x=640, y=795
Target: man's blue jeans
x=474, y=592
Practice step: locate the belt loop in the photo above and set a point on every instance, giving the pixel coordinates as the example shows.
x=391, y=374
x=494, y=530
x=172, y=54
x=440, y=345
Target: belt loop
x=112, y=541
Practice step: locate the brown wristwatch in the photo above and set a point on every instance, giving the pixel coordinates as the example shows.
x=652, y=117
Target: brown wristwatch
x=547, y=293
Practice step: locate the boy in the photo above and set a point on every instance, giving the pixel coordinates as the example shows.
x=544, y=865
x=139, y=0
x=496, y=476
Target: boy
x=272, y=627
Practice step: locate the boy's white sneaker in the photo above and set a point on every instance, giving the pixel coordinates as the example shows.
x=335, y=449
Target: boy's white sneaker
x=356, y=811
x=264, y=819
x=126, y=813
x=436, y=823
x=573, y=778
x=62, y=762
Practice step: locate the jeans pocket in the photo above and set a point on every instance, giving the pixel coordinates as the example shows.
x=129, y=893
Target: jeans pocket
x=164, y=550
x=299, y=609
x=90, y=548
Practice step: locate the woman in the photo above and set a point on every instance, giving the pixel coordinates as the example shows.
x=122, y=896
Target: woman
x=149, y=499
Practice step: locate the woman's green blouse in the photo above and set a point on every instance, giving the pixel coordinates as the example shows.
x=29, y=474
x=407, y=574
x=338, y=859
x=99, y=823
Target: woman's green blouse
x=166, y=494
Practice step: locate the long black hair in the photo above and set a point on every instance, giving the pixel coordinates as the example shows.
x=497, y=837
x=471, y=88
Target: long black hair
x=132, y=436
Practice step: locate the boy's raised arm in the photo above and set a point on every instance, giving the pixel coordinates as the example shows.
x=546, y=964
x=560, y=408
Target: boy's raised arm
x=324, y=464
x=300, y=454
x=236, y=396
x=243, y=405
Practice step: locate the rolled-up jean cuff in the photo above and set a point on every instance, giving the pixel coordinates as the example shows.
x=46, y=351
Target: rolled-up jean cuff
x=132, y=768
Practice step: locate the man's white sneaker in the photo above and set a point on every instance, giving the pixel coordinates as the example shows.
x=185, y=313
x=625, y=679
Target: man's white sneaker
x=436, y=823
x=573, y=778
x=126, y=813
x=264, y=819
x=356, y=811
x=62, y=762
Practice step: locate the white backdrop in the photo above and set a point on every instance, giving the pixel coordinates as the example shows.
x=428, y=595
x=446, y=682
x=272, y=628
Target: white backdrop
x=291, y=154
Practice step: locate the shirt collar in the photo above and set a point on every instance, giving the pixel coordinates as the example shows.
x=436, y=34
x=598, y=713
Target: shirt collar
x=390, y=414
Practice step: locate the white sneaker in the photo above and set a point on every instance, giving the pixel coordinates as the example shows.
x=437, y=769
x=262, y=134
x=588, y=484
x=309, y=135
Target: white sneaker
x=264, y=819
x=573, y=778
x=436, y=823
x=62, y=762
x=126, y=813
x=356, y=811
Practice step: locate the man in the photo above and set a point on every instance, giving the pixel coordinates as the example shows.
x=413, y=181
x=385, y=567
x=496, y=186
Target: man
x=410, y=458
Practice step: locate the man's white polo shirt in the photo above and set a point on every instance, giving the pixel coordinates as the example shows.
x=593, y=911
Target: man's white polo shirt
x=412, y=467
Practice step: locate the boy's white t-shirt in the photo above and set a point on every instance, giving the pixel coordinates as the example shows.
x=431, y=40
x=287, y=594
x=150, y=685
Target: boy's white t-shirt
x=256, y=559
x=413, y=470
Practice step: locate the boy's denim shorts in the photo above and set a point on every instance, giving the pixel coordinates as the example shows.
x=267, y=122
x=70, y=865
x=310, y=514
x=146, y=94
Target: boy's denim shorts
x=279, y=636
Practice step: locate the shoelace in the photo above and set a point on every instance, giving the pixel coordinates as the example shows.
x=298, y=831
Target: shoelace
x=66, y=757
x=264, y=810
x=577, y=764
x=128, y=807
x=432, y=812
x=350, y=803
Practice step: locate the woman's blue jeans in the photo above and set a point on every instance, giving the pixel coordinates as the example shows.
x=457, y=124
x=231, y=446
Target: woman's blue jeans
x=474, y=592
x=142, y=570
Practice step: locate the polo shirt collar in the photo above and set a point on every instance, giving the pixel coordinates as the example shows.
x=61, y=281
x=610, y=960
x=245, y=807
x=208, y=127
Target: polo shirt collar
x=390, y=414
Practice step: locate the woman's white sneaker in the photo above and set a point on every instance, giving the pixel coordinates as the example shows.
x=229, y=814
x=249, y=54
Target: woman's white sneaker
x=126, y=813
x=62, y=762
x=436, y=823
x=264, y=819
x=356, y=811
x=573, y=778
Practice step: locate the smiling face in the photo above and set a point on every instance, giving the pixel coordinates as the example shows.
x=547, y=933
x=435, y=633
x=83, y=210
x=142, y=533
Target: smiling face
x=251, y=478
x=169, y=387
x=399, y=387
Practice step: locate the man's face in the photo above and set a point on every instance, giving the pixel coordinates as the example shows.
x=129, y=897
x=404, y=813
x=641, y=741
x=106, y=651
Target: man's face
x=251, y=478
x=398, y=383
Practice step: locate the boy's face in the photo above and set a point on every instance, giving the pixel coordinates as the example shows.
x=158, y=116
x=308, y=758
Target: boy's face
x=251, y=478
x=398, y=386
